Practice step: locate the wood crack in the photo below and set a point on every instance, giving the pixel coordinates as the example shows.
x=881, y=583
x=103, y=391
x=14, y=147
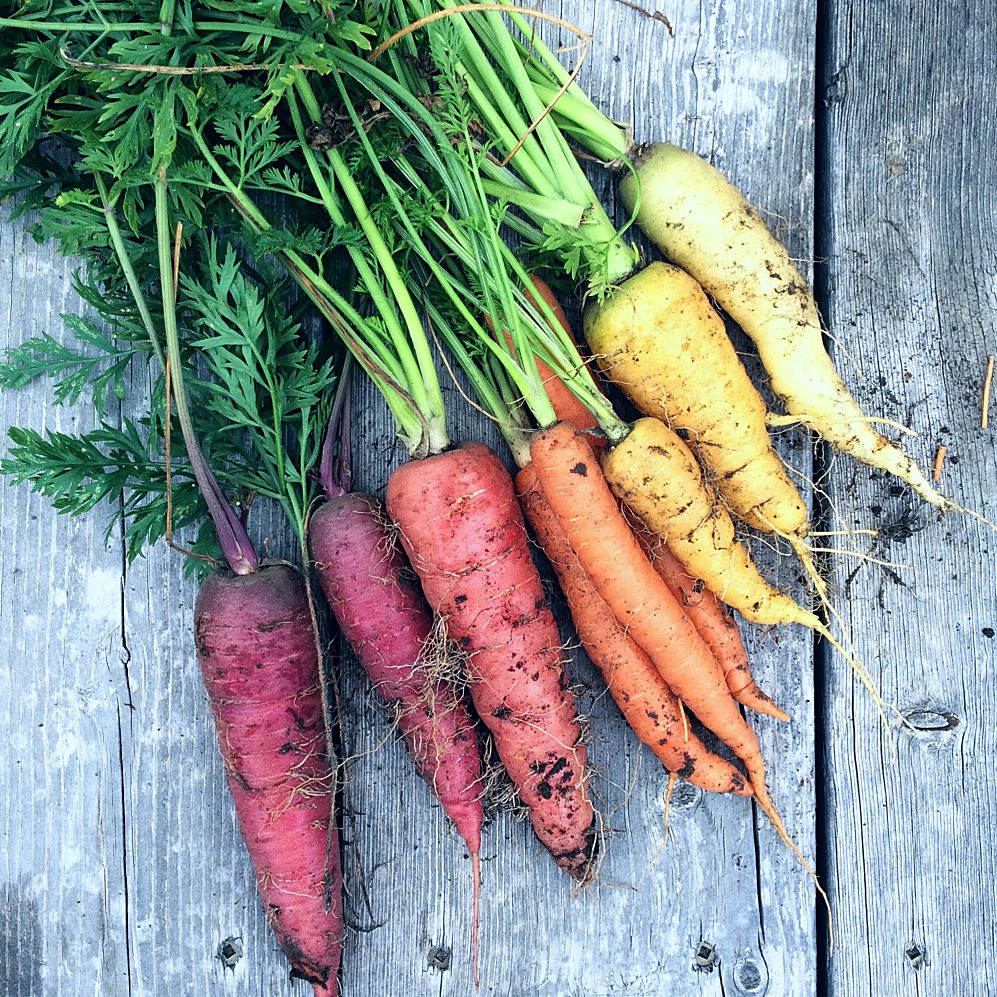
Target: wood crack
x=124, y=853
x=126, y=656
x=861, y=837
x=758, y=870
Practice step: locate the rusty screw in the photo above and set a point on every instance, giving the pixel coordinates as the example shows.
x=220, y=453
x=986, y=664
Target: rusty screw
x=439, y=957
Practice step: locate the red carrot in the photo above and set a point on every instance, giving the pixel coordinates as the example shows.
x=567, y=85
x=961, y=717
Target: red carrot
x=259, y=659
x=464, y=534
x=385, y=618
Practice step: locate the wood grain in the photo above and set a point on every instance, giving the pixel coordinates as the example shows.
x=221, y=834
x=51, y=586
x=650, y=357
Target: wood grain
x=911, y=292
x=120, y=864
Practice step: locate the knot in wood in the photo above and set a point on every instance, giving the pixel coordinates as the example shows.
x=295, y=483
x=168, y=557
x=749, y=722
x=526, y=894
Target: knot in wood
x=928, y=721
x=686, y=796
x=750, y=976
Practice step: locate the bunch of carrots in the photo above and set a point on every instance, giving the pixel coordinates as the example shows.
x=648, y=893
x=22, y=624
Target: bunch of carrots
x=417, y=153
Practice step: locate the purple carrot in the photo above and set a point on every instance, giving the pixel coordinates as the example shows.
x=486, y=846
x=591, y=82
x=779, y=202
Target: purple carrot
x=384, y=616
x=259, y=658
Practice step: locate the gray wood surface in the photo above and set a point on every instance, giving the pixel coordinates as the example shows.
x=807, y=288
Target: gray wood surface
x=910, y=244
x=120, y=862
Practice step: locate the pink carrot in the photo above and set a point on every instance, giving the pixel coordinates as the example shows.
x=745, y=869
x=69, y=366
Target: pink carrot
x=259, y=659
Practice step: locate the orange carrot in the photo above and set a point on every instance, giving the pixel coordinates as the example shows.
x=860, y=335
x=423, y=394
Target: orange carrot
x=711, y=617
x=640, y=600
x=713, y=620
x=642, y=695
x=566, y=406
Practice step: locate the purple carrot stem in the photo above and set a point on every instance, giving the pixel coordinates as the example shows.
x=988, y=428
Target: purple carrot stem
x=233, y=537
x=335, y=468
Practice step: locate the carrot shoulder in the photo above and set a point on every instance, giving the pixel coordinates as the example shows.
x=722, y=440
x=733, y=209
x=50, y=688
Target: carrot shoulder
x=462, y=529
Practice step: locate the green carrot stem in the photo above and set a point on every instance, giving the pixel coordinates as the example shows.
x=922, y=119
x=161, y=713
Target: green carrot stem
x=60, y=27
x=166, y=14
x=564, y=165
x=339, y=313
x=124, y=261
x=137, y=27
x=596, y=132
x=232, y=536
x=407, y=366
x=537, y=206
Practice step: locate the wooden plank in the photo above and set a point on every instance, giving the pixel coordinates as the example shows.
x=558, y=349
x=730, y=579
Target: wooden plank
x=910, y=139
x=63, y=691
x=145, y=796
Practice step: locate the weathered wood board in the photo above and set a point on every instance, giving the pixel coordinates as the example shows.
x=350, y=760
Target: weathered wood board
x=121, y=867
x=908, y=247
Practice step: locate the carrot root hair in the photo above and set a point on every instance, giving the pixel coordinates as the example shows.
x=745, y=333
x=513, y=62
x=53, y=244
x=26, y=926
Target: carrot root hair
x=669, y=789
x=768, y=807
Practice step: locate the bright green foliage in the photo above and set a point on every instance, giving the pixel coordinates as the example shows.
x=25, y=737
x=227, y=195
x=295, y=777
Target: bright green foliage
x=112, y=465
x=265, y=381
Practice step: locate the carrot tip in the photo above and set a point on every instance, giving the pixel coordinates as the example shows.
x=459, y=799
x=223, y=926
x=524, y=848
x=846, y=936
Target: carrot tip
x=476, y=871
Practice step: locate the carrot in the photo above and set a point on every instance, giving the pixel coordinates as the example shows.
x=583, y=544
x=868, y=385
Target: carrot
x=661, y=341
x=634, y=682
x=702, y=222
x=656, y=475
x=566, y=406
x=259, y=659
x=387, y=622
x=714, y=622
x=462, y=529
x=384, y=616
x=608, y=551
x=710, y=617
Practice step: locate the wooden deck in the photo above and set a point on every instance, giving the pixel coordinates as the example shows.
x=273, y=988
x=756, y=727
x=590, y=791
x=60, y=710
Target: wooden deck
x=867, y=134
